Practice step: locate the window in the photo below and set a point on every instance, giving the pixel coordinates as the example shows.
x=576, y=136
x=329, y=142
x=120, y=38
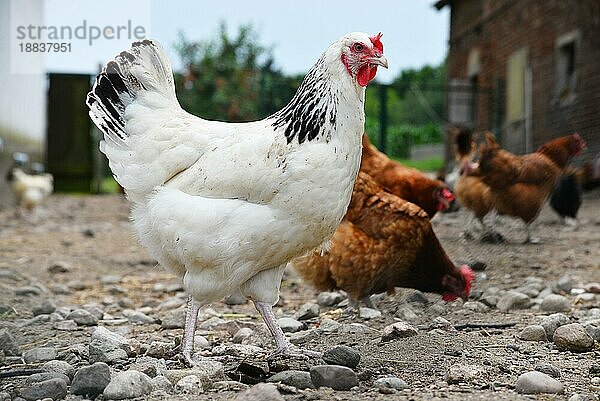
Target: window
x=566, y=71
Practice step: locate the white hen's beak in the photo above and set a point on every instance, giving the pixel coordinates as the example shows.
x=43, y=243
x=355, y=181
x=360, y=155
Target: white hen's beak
x=379, y=60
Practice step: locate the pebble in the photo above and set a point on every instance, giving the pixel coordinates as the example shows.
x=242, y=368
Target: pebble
x=290, y=325
x=513, y=300
x=593, y=329
x=593, y=288
x=333, y=376
x=106, y=346
x=368, y=313
x=208, y=371
x=418, y=297
x=342, y=355
x=45, y=308
x=161, y=350
x=91, y=380
x=573, y=337
x=260, y=392
x=548, y=369
x=388, y=385
x=301, y=337
x=200, y=342
x=229, y=385
x=583, y=397
x=60, y=289
x=565, y=284
x=534, y=332
x=555, y=303
x=242, y=334
x=8, y=344
x=237, y=350
x=40, y=354
x=55, y=389
x=173, y=319
x=163, y=384
x=490, y=296
x=137, y=317
x=149, y=365
x=189, y=385
x=463, y=373
x=28, y=290
x=329, y=298
x=171, y=303
x=307, y=311
x=128, y=384
x=82, y=318
x=355, y=328
x=537, y=382
x=43, y=376
x=294, y=378
x=406, y=312
x=65, y=325
x=329, y=325
x=59, y=367
x=59, y=267
x=476, y=306
x=398, y=330
x=551, y=322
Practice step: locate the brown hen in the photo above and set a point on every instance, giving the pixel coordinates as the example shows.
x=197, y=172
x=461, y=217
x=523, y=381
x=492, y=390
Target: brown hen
x=384, y=242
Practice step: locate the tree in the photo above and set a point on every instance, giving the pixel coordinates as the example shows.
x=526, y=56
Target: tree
x=231, y=78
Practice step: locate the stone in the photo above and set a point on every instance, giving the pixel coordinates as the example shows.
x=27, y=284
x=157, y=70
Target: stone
x=128, y=384
x=555, y=303
x=8, y=344
x=137, y=317
x=476, y=306
x=207, y=370
x=406, y=312
x=45, y=308
x=551, y=322
x=385, y=384
x=65, y=325
x=593, y=329
x=329, y=325
x=537, y=383
x=109, y=347
x=55, y=389
x=294, y=378
x=333, y=376
x=442, y=324
x=418, y=297
x=368, y=313
x=28, y=290
x=260, y=392
x=173, y=319
x=329, y=298
x=511, y=300
x=242, y=334
x=40, y=354
x=59, y=267
x=149, y=365
x=229, y=385
x=342, y=355
x=583, y=397
x=548, y=369
x=161, y=350
x=162, y=383
x=290, y=325
x=90, y=381
x=189, y=385
x=573, y=337
x=237, y=350
x=355, y=328
x=534, y=332
x=592, y=288
x=59, y=367
x=171, y=303
x=40, y=377
x=398, y=330
x=301, y=337
x=83, y=318
x=307, y=311
x=463, y=373
x=565, y=284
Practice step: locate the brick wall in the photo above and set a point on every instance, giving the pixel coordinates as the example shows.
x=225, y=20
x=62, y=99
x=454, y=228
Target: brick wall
x=498, y=29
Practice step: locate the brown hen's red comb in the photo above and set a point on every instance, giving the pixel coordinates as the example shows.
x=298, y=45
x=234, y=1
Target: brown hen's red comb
x=376, y=42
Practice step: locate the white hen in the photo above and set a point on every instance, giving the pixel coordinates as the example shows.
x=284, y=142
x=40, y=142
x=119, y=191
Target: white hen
x=30, y=189
x=227, y=205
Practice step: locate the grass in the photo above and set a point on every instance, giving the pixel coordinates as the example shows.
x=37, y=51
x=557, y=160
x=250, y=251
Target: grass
x=432, y=164
x=109, y=186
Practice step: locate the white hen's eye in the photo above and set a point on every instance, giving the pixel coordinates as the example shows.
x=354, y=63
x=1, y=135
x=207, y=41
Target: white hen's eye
x=358, y=47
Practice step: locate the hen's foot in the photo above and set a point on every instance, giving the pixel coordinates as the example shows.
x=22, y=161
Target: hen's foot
x=492, y=237
x=190, y=360
x=532, y=241
x=291, y=351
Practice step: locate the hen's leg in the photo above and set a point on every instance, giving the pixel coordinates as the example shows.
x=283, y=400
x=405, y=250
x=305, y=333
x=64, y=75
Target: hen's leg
x=189, y=329
x=284, y=347
x=530, y=239
x=263, y=290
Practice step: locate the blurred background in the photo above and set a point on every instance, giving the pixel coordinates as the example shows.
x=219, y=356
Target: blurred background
x=527, y=70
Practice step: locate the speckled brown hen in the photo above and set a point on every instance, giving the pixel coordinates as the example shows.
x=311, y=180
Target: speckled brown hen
x=384, y=242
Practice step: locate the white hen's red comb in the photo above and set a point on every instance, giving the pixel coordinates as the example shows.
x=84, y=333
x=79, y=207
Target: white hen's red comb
x=377, y=42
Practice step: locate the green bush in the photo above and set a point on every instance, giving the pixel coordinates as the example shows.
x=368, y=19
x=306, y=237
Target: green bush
x=401, y=138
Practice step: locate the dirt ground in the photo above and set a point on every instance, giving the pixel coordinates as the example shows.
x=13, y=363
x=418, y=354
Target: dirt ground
x=91, y=238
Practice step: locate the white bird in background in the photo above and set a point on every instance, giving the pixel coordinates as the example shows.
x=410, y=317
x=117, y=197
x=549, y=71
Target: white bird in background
x=30, y=189
x=227, y=205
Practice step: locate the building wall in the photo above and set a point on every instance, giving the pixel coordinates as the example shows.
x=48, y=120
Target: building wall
x=498, y=29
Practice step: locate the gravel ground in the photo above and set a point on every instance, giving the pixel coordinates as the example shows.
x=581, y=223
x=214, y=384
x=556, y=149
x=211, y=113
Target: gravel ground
x=77, y=288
